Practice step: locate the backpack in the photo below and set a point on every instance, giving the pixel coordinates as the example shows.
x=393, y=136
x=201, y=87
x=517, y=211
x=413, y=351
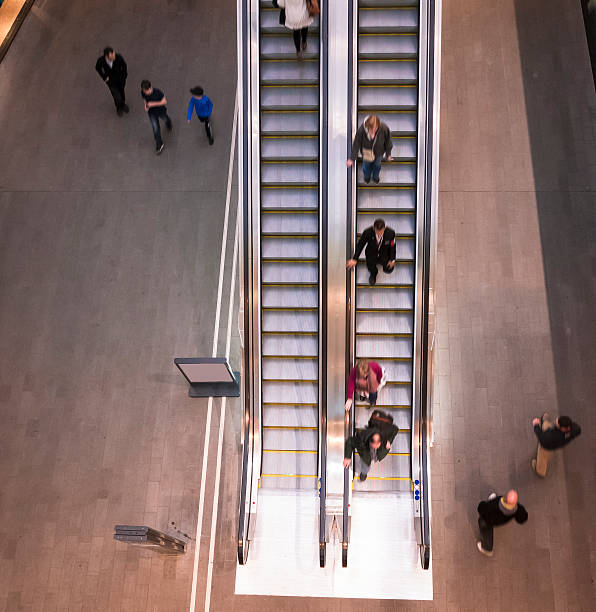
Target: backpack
x=382, y=421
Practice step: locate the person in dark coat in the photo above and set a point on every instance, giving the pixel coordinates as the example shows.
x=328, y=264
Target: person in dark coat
x=373, y=140
x=155, y=105
x=372, y=445
x=496, y=511
x=551, y=436
x=111, y=67
x=380, y=249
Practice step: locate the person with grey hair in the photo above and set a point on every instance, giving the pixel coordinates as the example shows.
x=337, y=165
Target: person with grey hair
x=496, y=511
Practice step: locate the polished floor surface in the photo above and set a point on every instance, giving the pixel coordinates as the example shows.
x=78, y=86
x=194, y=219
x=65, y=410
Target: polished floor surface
x=108, y=270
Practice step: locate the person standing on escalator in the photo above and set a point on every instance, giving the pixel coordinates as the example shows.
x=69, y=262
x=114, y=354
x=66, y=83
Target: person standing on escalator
x=298, y=18
x=367, y=378
x=373, y=140
x=380, y=249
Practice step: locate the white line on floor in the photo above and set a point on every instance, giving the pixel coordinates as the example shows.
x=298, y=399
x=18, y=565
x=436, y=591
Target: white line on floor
x=221, y=424
x=195, y=570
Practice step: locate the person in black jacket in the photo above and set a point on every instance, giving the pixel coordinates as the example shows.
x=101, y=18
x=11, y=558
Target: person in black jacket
x=373, y=139
x=380, y=249
x=551, y=436
x=111, y=67
x=372, y=445
x=497, y=511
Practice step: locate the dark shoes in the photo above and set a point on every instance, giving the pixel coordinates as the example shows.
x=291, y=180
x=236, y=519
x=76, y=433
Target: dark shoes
x=303, y=46
x=366, y=180
x=169, y=126
x=211, y=141
x=376, y=180
x=120, y=112
x=362, y=476
x=372, y=279
x=123, y=109
x=299, y=55
x=159, y=150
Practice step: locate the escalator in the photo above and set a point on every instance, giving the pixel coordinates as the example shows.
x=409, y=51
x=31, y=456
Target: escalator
x=284, y=217
x=386, y=82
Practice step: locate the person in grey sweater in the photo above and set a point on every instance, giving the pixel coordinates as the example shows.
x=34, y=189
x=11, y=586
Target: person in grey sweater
x=373, y=140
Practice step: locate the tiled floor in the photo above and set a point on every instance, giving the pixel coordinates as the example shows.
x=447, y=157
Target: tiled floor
x=107, y=272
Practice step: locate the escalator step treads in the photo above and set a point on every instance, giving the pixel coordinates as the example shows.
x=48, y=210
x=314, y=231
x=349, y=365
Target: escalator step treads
x=398, y=310
x=311, y=357
x=283, y=450
x=304, y=210
x=387, y=56
x=388, y=30
x=387, y=82
x=385, y=211
x=290, y=83
x=293, y=427
x=387, y=186
x=384, y=334
x=277, y=30
x=290, y=108
x=400, y=359
x=290, y=380
x=290, y=333
x=289, y=57
x=287, y=135
x=379, y=286
x=388, y=406
x=400, y=262
x=397, y=236
x=302, y=404
x=278, y=185
x=288, y=235
x=290, y=160
x=386, y=108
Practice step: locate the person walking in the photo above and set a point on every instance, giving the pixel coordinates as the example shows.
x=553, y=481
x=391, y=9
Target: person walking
x=297, y=19
x=372, y=444
x=367, y=378
x=496, y=511
x=111, y=67
x=155, y=105
x=380, y=249
x=202, y=106
x=373, y=140
x=551, y=436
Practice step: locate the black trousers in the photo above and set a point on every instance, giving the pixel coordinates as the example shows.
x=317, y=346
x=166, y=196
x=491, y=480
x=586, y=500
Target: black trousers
x=300, y=36
x=486, y=534
x=117, y=91
x=372, y=261
x=207, y=122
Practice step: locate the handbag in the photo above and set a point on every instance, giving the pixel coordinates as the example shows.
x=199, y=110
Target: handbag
x=282, y=17
x=312, y=6
x=368, y=155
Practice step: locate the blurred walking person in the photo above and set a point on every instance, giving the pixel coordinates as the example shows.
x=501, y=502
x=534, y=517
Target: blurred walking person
x=202, y=106
x=366, y=378
x=111, y=67
x=496, y=511
x=155, y=105
x=551, y=436
x=373, y=140
x=298, y=18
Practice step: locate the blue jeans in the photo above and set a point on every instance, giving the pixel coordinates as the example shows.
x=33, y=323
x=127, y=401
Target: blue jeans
x=372, y=169
x=154, y=117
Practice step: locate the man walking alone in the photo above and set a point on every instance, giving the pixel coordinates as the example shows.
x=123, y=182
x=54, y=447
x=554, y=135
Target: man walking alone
x=497, y=510
x=551, y=436
x=111, y=67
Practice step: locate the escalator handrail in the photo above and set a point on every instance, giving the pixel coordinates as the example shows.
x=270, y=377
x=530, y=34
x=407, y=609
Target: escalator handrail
x=352, y=115
x=425, y=395
x=323, y=178
x=247, y=447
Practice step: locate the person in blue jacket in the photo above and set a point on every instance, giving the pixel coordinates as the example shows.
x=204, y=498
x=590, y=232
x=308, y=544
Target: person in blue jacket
x=203, y=106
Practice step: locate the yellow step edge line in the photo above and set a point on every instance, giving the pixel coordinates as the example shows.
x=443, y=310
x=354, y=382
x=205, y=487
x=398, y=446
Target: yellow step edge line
x=289, y=380
x=289, y=110
x=388, y=33
x=391, y=85
x=395, y=7
x=285, y=333
x=279, y=450
x=296, y=136
x=289, y=187
x=289, y=476
x=394, y=454
x=288, y=404
x=312, y=357
x=385, y=478
x=390, y=59
x=298, y=161
x=399, y=187
x=311, y=86
x=290, y=427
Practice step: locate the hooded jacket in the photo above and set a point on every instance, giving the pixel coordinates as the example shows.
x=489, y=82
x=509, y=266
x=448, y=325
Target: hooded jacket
x=360, y=442
x=382, y=141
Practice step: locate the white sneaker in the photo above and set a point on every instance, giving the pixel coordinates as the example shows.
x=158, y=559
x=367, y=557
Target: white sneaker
x=488, y=553
x=492, y=496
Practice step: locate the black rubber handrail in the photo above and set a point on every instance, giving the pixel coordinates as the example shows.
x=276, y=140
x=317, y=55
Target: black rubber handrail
x=245, y=478
x=348, y=419
x=324, y=29
x=427, y=211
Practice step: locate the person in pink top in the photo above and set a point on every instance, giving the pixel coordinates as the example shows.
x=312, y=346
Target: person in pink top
x=366, y=377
